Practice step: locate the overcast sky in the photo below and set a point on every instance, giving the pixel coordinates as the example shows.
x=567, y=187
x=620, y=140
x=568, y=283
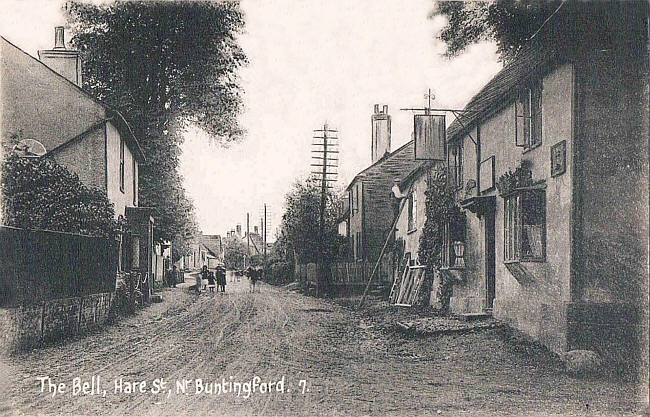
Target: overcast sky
x=310, y=62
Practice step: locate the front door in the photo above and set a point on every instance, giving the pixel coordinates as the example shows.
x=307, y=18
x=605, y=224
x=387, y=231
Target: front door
x=489, y=259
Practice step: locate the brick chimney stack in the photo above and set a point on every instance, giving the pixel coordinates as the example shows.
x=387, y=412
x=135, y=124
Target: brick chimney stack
x=66, y=62
x=380, y=133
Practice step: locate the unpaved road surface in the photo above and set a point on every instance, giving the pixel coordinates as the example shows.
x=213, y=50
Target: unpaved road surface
x=349, y=367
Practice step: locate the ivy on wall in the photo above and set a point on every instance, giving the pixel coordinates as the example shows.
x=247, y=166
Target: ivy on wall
x=38, y=193
x=439, y=205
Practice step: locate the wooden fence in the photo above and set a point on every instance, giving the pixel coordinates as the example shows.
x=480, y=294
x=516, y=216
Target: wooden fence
x=38, y=265
x=348, y=273
x=353, y=273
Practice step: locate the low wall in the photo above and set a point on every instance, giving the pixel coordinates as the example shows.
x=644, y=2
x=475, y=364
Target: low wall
x=34, y=325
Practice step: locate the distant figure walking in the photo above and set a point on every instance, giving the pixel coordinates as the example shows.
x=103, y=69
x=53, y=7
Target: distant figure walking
x=221, y=278
x=174, y=278
x=253, y=275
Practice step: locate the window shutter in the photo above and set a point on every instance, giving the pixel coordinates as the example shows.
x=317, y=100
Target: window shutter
x=520, y=121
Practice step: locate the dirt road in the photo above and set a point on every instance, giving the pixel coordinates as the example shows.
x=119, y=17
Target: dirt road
x=348, y=367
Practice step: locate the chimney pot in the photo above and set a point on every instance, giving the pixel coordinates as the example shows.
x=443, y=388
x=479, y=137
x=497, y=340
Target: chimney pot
x=59, y=37
x=376, y=108
x=385, y=110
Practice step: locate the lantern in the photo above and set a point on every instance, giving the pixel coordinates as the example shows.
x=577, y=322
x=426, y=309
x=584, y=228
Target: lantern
x=459, y=251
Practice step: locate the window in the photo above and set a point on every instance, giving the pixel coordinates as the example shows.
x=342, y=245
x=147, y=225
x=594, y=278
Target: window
x=357, y=247
x=525, y=226
x=453, y=231
x=455, y=164
x=121, y=164
x=528, y=114
x=135, y=183
x=412, y=211
x=357, y=196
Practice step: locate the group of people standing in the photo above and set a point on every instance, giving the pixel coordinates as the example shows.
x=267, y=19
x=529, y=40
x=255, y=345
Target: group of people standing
x=210, y=279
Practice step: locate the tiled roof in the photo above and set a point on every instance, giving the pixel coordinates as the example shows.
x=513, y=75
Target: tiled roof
x=212, y=243
x=397, y=164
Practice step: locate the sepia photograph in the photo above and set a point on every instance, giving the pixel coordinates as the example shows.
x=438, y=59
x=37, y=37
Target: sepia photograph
x=324, y=207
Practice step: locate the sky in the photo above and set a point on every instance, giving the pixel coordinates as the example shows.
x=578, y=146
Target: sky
x=311, y=62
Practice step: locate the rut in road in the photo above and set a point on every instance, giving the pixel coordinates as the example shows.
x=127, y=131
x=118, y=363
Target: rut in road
x=209, y=336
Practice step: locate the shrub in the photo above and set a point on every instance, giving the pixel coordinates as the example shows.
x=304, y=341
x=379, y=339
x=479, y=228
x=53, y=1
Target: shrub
x=278, y=272
x=38, y=193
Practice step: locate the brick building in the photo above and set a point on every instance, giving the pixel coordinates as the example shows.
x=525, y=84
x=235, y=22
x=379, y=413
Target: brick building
x=371, y=205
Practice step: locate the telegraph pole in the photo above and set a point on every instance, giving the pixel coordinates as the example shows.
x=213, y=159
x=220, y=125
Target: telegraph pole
x=325, y=148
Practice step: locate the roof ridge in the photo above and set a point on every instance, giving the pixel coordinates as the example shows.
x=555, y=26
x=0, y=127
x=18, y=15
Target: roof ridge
x=106, y=107
x=381, y=161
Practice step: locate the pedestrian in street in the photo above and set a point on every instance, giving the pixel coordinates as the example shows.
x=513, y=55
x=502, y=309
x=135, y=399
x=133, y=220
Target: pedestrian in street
x=211, y=281
x=173, y=277
x=204, y=277
x=252, y=277
x=199, y=279
x=222, y=278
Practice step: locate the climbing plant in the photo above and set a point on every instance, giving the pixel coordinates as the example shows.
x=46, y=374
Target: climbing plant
x=439, y=204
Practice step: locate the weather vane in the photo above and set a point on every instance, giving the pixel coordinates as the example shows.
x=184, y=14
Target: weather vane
x=429, y=96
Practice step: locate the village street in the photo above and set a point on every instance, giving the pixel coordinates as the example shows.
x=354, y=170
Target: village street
x=349, y=365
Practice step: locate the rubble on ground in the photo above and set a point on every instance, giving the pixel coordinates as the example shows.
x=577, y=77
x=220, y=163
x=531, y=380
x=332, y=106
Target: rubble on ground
x=429, y=326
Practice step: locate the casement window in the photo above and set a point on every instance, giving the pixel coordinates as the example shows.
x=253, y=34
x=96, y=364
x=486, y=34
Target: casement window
x=455, y=164
x=528, y=116
x=358, y=251
x=135, y=183
x=412, y=211
x=357, y=196
x=525, y=226
x=121, y=164
x=453, y=231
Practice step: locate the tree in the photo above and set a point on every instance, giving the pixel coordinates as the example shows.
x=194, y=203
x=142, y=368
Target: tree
x=509, y=23
x=299, y=228
x=165, y=66
x=234, y=253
